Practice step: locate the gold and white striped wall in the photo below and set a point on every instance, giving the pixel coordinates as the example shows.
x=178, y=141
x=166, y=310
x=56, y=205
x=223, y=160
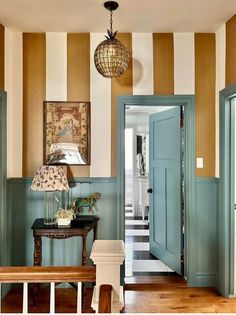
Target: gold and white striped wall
x=59, y=66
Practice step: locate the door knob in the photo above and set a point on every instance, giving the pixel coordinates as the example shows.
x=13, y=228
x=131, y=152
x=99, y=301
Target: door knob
x=149, y=190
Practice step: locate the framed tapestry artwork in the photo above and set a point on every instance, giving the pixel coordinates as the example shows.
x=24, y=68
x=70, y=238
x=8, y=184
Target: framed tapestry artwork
x=67, y=133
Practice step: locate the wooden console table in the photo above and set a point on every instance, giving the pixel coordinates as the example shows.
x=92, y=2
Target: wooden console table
x=79, y=227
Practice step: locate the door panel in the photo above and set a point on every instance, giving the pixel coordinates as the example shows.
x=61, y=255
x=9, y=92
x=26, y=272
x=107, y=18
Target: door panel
x=165, y=180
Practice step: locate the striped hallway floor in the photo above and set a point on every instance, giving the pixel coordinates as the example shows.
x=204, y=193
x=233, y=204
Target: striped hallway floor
x=139, y=262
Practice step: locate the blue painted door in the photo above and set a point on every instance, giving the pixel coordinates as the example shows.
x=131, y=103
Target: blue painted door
x=165, y=181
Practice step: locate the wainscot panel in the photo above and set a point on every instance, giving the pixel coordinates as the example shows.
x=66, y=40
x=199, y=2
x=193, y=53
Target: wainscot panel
x=206, y=231
x=25, y=206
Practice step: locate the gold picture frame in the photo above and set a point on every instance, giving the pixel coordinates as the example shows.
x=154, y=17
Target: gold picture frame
x=66, y=133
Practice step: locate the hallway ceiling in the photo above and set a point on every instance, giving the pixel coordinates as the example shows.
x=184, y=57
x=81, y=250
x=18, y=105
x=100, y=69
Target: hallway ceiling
x=131, y=16
x=131, y=110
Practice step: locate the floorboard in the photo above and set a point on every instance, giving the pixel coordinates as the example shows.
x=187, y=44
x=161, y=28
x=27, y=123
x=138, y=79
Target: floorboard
x=172, y=295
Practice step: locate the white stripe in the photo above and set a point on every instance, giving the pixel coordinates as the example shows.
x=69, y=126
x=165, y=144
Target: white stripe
x=100, y=96
x=128, y=247
x=128, y=269
x=184, y=63
x=129, y=214
x=220, y=57
x=14, y=89
x=135, y=222
x=142, y=51
x=129, y=255
x=56, y=66
x=220, y=82
x=52, y=298
x=79, y=297
x=148, y=266
x=138, y=246
x=25, y=298
x=136, y=232
x=169, y=270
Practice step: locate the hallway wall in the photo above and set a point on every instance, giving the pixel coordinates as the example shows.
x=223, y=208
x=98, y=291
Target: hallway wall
x=162, y=63
x=180, y=63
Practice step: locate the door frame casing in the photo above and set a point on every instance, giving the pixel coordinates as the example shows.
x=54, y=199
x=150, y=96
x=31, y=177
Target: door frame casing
x=227, y=185
x=188, y=101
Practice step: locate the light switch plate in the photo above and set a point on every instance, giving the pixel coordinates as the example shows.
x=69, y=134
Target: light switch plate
x=199, y=162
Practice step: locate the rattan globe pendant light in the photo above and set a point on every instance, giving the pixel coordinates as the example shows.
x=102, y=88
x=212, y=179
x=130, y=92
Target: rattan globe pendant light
x=111, y=57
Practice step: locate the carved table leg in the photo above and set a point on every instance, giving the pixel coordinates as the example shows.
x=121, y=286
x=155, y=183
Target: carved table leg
x=37, y=250
x=84, y=253
x=37, y=262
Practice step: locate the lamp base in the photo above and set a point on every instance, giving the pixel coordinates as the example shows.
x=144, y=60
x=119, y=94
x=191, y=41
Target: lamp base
x=50, y=208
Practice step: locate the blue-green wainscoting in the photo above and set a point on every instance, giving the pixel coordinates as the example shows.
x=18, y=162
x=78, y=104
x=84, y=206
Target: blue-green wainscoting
x=206, y=234
x=24, y=206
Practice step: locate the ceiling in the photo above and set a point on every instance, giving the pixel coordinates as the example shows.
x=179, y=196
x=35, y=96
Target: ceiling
x=131, y=16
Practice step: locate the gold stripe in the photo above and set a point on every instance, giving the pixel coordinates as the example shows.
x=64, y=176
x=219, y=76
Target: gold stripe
x=163, y=63
x=78, y=80
x=34, y=87
x=230, y=71
x=205, y=72
x=2, y=56
x=122, y=85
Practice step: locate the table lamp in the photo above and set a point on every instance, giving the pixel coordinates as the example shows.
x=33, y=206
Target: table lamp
x=49, y=178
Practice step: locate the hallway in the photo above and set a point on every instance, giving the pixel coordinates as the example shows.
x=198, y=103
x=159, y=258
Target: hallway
x=139, y=261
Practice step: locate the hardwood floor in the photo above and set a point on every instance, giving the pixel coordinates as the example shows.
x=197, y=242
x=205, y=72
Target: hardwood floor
x=167, y=294
x=171, y=295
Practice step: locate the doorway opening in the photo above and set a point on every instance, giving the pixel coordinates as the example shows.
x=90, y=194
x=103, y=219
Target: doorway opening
x=188, y=102
x=154, y=245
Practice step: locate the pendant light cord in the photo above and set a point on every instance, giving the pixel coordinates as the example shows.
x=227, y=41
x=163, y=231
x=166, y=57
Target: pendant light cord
x=111, y=29
x=111, y=57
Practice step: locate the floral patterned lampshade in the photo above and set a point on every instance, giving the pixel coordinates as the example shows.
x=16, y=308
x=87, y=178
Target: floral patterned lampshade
x=49, y=178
